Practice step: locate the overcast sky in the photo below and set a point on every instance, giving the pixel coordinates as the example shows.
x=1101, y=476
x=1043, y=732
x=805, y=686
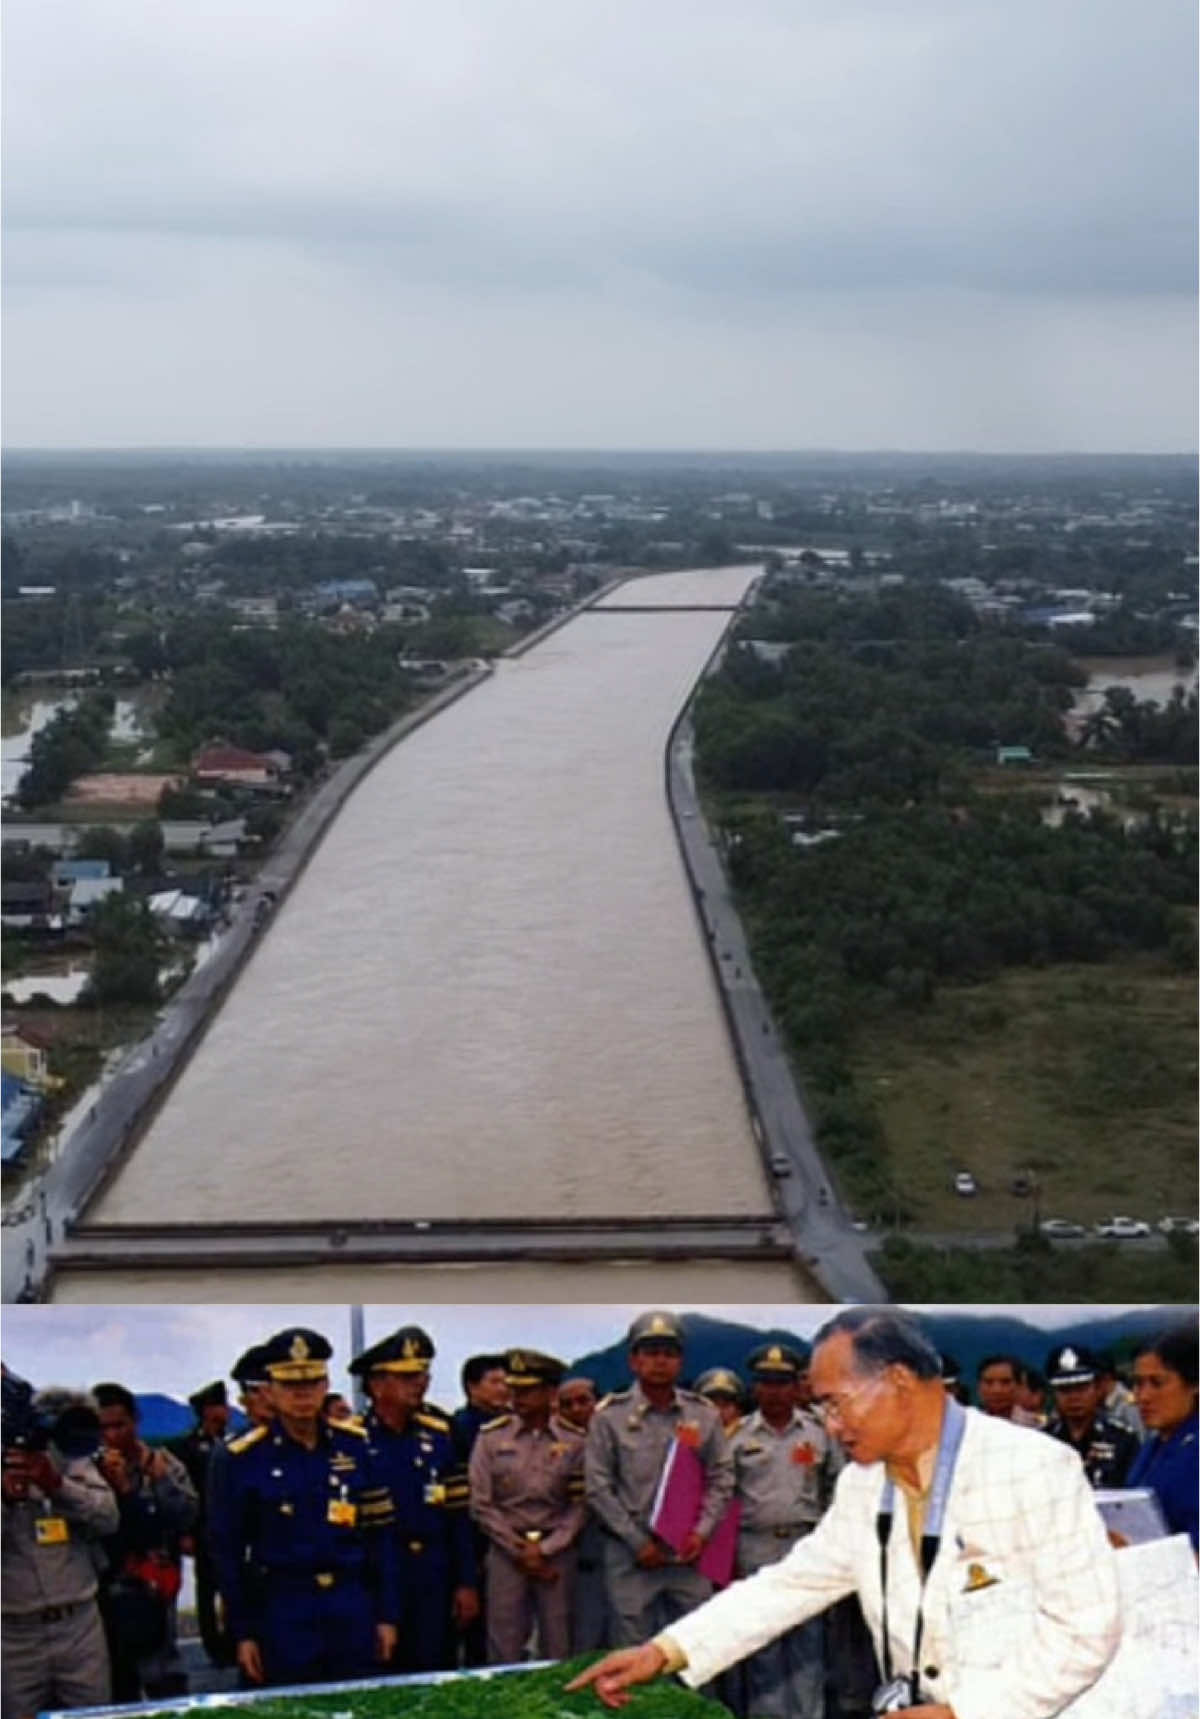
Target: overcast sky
x=546, y=223
x=177, y=1349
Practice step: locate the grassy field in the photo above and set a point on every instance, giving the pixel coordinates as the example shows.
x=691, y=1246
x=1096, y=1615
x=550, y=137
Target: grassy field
x=1085, y=1075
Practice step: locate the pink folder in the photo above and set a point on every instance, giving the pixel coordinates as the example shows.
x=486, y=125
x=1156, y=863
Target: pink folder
x=676, y=1511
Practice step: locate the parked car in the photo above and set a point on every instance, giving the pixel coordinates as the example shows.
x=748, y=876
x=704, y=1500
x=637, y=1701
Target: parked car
x=1061, y=1229
x=1123, y=1229
x=965, y=1183
x=781, y=1164
x=1179, y=1226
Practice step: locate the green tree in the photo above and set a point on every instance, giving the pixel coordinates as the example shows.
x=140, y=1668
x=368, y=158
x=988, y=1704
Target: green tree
x=129, y=950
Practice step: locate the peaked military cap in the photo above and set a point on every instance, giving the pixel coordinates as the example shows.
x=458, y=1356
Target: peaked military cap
x=1072, y=1364
x=251, y=1368
x=530, y=1367
x=296, y=1356
x=208, y=1396
x=408, y=1350
x=719, y=1382
x=655, y=1327
x=776, y=1361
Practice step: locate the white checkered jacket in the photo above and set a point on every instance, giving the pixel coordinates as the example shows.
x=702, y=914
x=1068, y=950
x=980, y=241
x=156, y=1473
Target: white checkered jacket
x=1022, y=1609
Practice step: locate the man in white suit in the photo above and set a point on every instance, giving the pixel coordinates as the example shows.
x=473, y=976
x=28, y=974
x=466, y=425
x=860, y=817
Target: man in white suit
x=1018, y=1609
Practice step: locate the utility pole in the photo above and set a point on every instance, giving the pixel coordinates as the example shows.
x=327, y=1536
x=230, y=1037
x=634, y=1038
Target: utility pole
x=358, y=1343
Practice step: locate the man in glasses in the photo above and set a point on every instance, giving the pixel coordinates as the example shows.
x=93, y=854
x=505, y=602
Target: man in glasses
x=976, y=1550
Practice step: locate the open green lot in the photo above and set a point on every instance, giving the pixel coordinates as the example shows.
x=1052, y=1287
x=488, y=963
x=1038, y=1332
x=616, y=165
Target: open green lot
x=1083, y=1074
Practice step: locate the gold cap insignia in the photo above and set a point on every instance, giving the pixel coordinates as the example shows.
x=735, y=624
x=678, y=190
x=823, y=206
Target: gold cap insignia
x=775, y=1356
x=516, y=1362
x=299, y=1348
x=409, y=1348
x=659, y=1327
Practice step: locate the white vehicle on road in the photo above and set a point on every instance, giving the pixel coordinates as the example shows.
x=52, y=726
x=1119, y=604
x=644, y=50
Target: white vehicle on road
x=1123, y=1229
x=1178, y=1226
x=1061, y=1228
x=965, y=1183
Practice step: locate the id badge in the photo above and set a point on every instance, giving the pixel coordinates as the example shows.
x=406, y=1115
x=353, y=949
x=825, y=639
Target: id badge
x=51, y=1530
x=342, y=1513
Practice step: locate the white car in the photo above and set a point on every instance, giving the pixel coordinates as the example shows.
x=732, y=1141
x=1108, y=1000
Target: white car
x=965, y=1183
x=1179, y=1226
x=1123, y=1229
x=1061, y=1228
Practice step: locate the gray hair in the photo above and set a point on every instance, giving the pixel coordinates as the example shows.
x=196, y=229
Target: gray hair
x=883, y=1337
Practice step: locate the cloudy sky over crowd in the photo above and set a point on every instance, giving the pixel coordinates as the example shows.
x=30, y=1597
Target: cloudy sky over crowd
x=177, y=1349
x=550, y=223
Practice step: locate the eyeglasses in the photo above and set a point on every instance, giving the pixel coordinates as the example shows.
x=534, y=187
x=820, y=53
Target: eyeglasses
x=835, y=1405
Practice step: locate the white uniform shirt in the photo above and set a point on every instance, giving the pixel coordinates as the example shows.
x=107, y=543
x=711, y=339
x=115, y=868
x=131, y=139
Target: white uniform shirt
x=1022, y=1609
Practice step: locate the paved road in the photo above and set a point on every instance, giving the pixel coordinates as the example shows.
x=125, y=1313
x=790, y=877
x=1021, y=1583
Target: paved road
x=826, y=1240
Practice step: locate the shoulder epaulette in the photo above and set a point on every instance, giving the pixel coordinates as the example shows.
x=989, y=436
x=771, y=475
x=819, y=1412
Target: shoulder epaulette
x=247, y=1440
x=424, y=1419
x=498, y=1421
x=614, y=1397
x=354, y=1427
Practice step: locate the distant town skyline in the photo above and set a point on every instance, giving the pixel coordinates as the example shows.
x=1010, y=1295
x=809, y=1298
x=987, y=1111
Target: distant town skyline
x=782, y=226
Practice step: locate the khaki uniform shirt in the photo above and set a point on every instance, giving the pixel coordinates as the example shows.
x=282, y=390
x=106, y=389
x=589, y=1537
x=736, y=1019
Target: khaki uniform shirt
x=627, y=1444
x=48, y=1550
x=783, y=1478
x=528, y=1480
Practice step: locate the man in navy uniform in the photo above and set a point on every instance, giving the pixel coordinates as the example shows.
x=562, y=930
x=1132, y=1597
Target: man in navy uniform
x=1105, y=1448
x=249, y=1373
x=300, y=1521
x=195, y=1450
x=436, y=1575
x=485, y=1387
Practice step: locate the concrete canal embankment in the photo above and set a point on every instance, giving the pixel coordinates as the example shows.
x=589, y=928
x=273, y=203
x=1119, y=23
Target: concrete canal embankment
x=104, y=1139
x=540, y=870
x=823, y=1236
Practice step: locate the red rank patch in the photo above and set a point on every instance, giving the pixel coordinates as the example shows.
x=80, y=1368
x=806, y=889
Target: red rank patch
x=804, y=1454
x=688, y=1432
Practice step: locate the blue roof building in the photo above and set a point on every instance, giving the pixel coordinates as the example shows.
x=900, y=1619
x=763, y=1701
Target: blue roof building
x=20, y=1107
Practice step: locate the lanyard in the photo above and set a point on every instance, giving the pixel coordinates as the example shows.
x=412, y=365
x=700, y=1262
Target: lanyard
x=954, y=1423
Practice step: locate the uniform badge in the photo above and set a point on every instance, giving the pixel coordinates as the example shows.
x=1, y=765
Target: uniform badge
x=688, y=1433
x=804, y=1455
x=342, y=1513
x=299, y=1348
x=51, y=1530
x=977, y=1578
x=287, y=1508
x=434, y=1493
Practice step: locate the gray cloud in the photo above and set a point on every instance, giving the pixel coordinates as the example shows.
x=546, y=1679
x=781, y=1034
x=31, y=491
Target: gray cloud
x=661, y=171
